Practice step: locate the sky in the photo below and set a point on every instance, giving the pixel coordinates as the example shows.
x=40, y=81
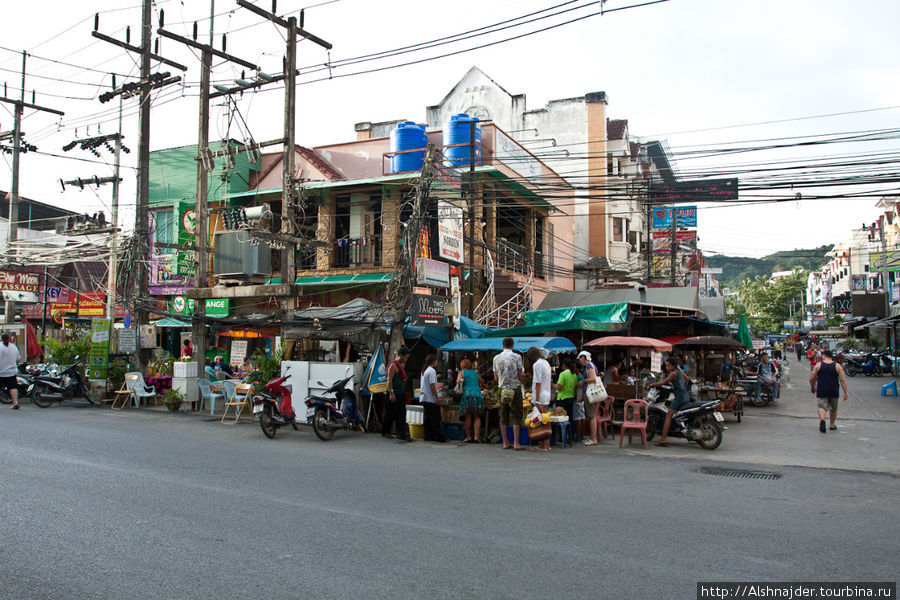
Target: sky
x=700, y=74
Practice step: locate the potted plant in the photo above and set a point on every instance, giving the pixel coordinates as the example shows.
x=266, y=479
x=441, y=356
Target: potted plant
x=116, y=373
x=264, y=368
x=173, y=399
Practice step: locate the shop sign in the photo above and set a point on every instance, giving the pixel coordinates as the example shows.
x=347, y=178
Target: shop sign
x=427, y=310
x=127, y=341
x=187, y=227
x=842, y=304
x=758, y=344
x=98, y=357
x=858, y=283
x=878, y=262
x=16, y=281
x=450, y=231
x=433, y=273
x=685, y=216
x=215, y=307
x=238, y=353
x=91, y=304
x=698, y=190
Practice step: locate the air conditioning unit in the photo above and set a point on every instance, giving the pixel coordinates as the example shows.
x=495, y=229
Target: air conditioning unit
x=240, y=255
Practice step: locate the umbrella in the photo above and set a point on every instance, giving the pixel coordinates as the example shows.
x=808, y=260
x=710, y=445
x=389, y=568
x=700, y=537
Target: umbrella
x=622, y=341
x=743, y=334
x=715, y=341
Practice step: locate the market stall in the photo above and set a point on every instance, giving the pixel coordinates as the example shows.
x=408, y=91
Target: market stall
x=715, y=375
x=633, y=346
x=483, y=350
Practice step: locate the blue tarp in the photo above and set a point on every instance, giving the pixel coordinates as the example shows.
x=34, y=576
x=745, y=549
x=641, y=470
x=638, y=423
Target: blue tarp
x=555, y=344
x=438, y=336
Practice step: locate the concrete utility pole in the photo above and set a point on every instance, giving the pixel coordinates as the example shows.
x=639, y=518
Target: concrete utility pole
x=205, y=164
x=19, y=106
x=114, y=218
x=140, y=257
x=294, y=30
x=470, y=197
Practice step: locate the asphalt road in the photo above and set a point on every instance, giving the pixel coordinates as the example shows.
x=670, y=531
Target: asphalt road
x=142, y=504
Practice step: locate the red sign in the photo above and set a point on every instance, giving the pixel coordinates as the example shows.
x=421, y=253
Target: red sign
x=15, y=281
x=91, y=304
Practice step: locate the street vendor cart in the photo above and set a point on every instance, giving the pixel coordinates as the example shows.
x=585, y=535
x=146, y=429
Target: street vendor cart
x=715, y=359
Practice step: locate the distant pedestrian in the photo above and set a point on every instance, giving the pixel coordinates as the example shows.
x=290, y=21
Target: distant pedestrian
x=799, y=348
x=187, y=351
x=766, y=375
x=9, y=365
x=589, y=375
x=509, y=372
x=565, y=389
x=430, y=411
x=823, y=382
x=395, y=406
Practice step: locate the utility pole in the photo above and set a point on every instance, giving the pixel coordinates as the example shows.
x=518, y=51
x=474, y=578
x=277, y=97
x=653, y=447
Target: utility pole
x=204, y=167
x=114, y=217
x=140, y=281
x=19, y=106
x=294, y=30
x=649, y=241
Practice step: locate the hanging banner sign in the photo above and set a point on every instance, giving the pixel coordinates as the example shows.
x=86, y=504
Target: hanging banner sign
x=238, y=353
x=450, y=231
x=375, y=378
x=15, y=281
x=187, y=227
x=98, y=357
x=698, y=190
x=215, y=307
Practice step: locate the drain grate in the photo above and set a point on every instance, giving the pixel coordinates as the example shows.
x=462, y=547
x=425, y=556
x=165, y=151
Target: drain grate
x=742, y=473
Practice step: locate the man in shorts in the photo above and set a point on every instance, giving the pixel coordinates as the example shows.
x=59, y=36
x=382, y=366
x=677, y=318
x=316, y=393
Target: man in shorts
x=823, y=382
x=9, y=365
x=509, y=372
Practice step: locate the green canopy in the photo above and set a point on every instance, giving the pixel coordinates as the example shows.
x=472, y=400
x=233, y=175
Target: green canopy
x=743, y=334
x=596, y=317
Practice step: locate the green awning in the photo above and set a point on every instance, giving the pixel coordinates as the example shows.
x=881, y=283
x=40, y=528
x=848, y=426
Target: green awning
x=171, y=322
x=344, y=280
x=596, y=317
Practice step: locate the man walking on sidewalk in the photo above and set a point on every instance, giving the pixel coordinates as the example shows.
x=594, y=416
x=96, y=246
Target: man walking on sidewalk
x=823, y=382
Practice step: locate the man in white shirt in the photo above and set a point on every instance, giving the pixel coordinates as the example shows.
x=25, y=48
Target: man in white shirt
x=541, y=384
x=9, y=365
x=430, y=411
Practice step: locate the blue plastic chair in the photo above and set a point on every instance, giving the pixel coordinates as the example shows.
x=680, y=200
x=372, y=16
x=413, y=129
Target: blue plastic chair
x=565, y=432
x=892, y=387
x=207, y=394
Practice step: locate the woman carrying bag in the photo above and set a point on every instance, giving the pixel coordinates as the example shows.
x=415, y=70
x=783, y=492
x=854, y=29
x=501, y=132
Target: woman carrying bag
x=471, y=403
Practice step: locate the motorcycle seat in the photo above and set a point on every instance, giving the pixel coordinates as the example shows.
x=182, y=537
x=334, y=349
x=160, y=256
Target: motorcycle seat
x=690, y=405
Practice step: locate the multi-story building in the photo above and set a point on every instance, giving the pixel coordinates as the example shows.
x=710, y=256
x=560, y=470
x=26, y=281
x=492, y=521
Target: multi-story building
x=609, y=170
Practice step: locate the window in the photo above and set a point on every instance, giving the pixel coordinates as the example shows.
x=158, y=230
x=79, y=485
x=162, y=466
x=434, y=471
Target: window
x=164, y=229
x=634, y=241
x=618, y=229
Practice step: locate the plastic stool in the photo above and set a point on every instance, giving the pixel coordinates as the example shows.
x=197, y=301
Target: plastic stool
x=565, y=431
x=892, y=387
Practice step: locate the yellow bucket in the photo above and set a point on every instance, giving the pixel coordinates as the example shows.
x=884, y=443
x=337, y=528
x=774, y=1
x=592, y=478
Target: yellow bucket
x=416, y=431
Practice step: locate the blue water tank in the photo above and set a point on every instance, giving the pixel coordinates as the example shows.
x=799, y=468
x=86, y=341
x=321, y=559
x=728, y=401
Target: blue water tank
x=456, y=131
x=408, y=136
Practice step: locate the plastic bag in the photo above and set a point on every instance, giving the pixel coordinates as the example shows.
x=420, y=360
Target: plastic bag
x=534, y=417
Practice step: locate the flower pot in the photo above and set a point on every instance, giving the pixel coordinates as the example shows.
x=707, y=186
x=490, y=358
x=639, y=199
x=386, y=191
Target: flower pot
x=173, y=406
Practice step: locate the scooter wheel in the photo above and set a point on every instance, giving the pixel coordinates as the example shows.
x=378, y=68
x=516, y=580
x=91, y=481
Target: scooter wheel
x=266, y=423
x=653, y=425
x=5, y=397
x=40, y=397
x=710, y=435
x=320, y=425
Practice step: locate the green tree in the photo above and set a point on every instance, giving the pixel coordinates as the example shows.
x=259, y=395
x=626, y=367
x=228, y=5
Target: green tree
x=769, y=303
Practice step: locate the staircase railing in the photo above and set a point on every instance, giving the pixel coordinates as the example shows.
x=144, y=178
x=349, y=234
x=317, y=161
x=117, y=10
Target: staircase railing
x=488, y=302
x=507, y=314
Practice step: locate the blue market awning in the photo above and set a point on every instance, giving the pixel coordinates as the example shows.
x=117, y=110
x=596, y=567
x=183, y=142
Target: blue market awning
x=522, y=344
x=438, y=336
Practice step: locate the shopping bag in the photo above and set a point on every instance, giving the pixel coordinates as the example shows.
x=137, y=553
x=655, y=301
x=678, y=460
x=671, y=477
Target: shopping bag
x=595, y=392
x=534, y=417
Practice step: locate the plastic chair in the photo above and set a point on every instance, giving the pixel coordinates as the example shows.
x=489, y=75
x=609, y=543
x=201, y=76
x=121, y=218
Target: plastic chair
x=207, y=394
x=565, y=432
x=135, y=389
x=892, y=387
x=604, y=418
x=634, y=417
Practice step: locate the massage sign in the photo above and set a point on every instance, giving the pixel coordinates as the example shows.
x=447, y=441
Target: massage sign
x=427, y=310
x=15, y=281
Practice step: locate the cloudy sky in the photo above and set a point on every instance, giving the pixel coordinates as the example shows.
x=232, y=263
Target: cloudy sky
x=705, y=75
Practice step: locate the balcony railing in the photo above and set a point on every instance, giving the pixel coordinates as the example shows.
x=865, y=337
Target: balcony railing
x=512, y=258
x=357, y=252
x=306, y=257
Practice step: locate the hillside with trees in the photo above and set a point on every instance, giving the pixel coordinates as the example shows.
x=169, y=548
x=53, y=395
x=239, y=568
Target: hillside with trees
x=736, y=269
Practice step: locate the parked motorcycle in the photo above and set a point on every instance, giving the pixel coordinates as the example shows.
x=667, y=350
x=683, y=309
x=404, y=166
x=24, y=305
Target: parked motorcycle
x=695, y=421
x=868, y=365
x=274, y=406
x=328, y=417
x=71, y=383
x=25, y=383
